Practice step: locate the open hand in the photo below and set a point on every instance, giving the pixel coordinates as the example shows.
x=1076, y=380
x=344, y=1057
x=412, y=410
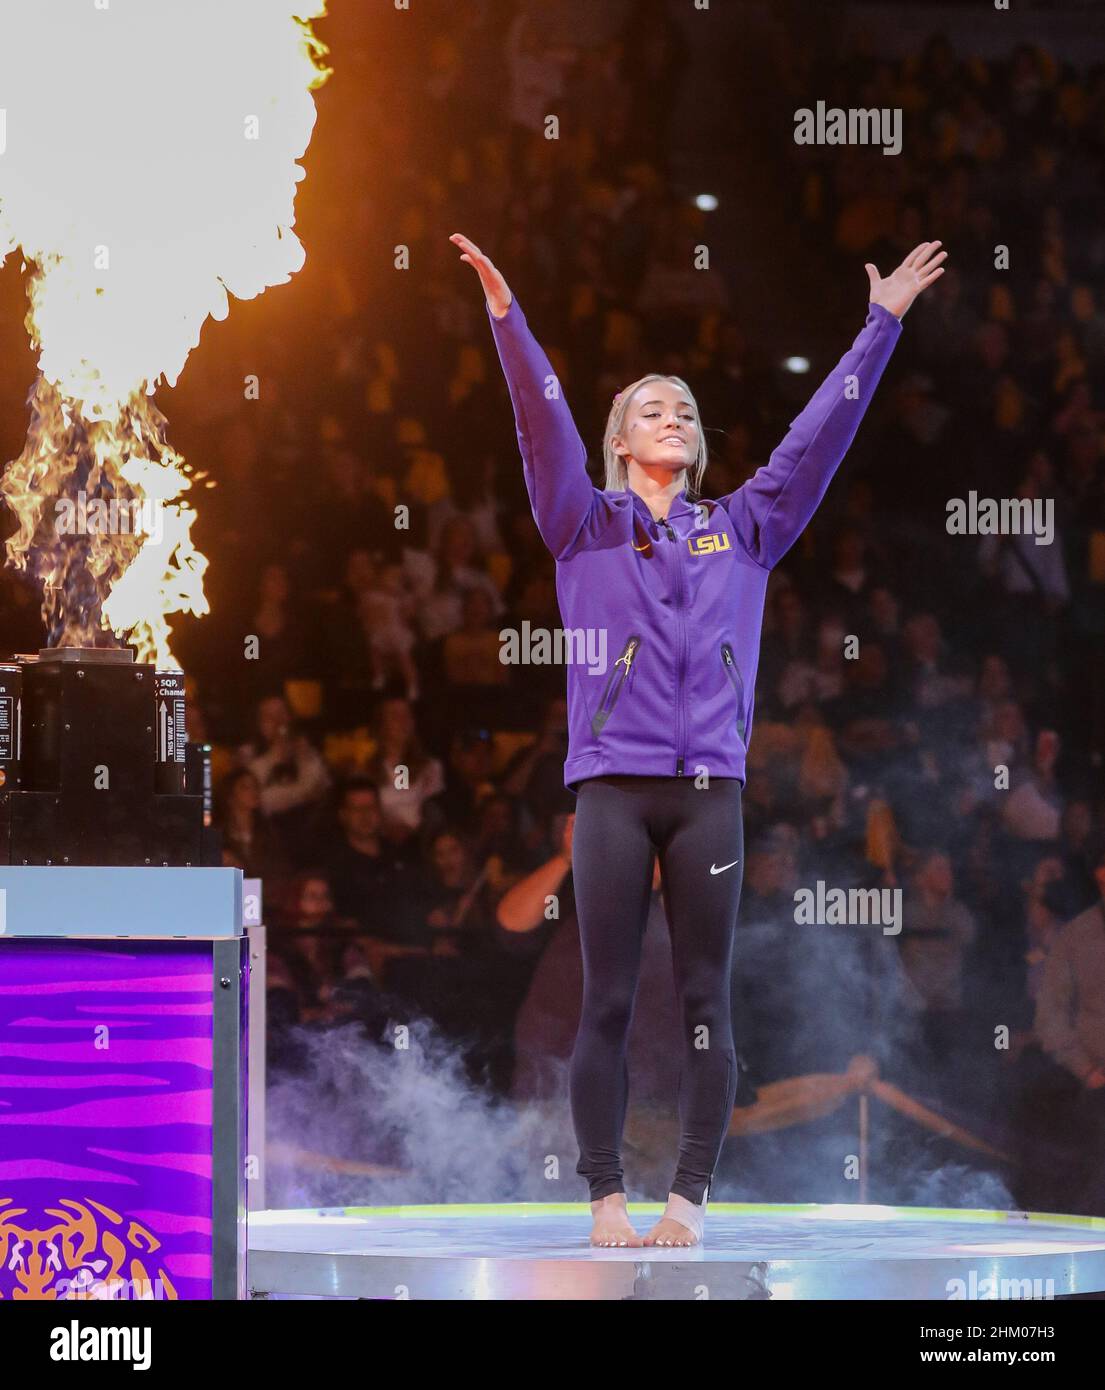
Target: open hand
x=495, y=288
x=919, y=269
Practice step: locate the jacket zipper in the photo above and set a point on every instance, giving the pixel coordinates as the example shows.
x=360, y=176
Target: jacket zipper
x=612, y=691
x=737, y=682
x=680, y=712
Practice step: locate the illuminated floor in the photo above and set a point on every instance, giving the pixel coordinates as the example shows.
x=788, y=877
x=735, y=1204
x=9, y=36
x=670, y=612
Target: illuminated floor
x=531, y=1251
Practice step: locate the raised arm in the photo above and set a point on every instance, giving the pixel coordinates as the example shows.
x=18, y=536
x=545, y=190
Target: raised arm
x=522, y=907
x=553, y=455
x=771, y=510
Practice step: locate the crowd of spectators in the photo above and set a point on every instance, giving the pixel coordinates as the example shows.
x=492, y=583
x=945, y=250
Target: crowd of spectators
x=981, y=653
x=878, y=762
x=399, y=789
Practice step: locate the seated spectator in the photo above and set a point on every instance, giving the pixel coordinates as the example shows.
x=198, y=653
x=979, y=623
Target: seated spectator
x=1076, y=889
x=933, y=680
x=1002, y=742
x=385, y=611
x=771, y=872
x=308, y=937
x=407, y=778
x=249, y=842
x=369, y=634
x=994, y=688
x=822, y=678
x=868, y=715
x=455, y=574
x=531, y=599
x=471, y=653
x=467, y=778
x=1070, y=1026
x=822, y=784
x=291, y=774
x=1041, y=920
x=1032, y=809
x=849, y=576
x=938, y=930
x=276, y=623
x=535, y=774
x=284, y=1015
x=1070, y=1008
x=349, y=512
x=787, y=635
x=884, y=620
x=308, y=905
x=457, y=896
x=477, y=495
x=1028, y=571
x=498, y=842
x=372, y=881
x=319, y=971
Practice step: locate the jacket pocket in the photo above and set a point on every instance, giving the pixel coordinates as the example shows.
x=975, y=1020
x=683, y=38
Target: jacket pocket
x=618, y=677
x=732, y=670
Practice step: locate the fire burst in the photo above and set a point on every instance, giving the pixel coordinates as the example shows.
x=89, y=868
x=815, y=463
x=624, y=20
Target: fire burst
x=147, y=173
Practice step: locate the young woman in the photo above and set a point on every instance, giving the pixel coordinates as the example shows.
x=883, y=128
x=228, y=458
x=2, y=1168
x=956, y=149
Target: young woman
x=656, y=747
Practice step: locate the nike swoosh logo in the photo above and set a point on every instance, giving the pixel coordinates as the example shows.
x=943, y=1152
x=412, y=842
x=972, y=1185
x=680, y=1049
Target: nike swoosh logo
x=715, y=870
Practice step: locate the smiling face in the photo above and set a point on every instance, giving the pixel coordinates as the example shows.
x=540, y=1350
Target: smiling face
x=660, y=429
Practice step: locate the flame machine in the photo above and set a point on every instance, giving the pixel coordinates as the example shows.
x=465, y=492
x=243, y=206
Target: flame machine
x=123, y=965
x=124, y=991
x=95, y=765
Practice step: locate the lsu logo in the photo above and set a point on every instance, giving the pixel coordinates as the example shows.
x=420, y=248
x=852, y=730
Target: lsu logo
x=84, y=1252
x=709, y=544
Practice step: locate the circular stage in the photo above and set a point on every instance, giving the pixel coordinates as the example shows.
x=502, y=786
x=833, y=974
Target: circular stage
x=538, y=1251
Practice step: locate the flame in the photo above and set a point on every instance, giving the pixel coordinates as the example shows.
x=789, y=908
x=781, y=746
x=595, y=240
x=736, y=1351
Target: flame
x=148, y=167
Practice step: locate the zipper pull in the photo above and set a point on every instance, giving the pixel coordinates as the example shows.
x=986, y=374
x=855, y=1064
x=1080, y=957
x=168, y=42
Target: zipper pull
x=727, y=656
x=667, y=527
x=627, y=655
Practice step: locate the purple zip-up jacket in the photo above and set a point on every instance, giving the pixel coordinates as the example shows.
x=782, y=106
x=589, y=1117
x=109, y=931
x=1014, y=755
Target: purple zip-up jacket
x=679, y=603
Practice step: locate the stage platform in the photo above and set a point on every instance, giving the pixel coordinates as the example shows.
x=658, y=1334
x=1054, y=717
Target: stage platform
x=537, y=1251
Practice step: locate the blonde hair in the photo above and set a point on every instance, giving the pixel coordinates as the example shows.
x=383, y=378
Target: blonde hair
x=617, y=472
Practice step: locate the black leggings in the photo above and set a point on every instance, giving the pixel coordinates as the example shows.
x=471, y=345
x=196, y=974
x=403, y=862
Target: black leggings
x=621, y=824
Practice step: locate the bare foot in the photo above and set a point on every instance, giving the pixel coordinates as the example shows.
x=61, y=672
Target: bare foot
x=612, y=1222
x=669, y=1232
x=681, y=1224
